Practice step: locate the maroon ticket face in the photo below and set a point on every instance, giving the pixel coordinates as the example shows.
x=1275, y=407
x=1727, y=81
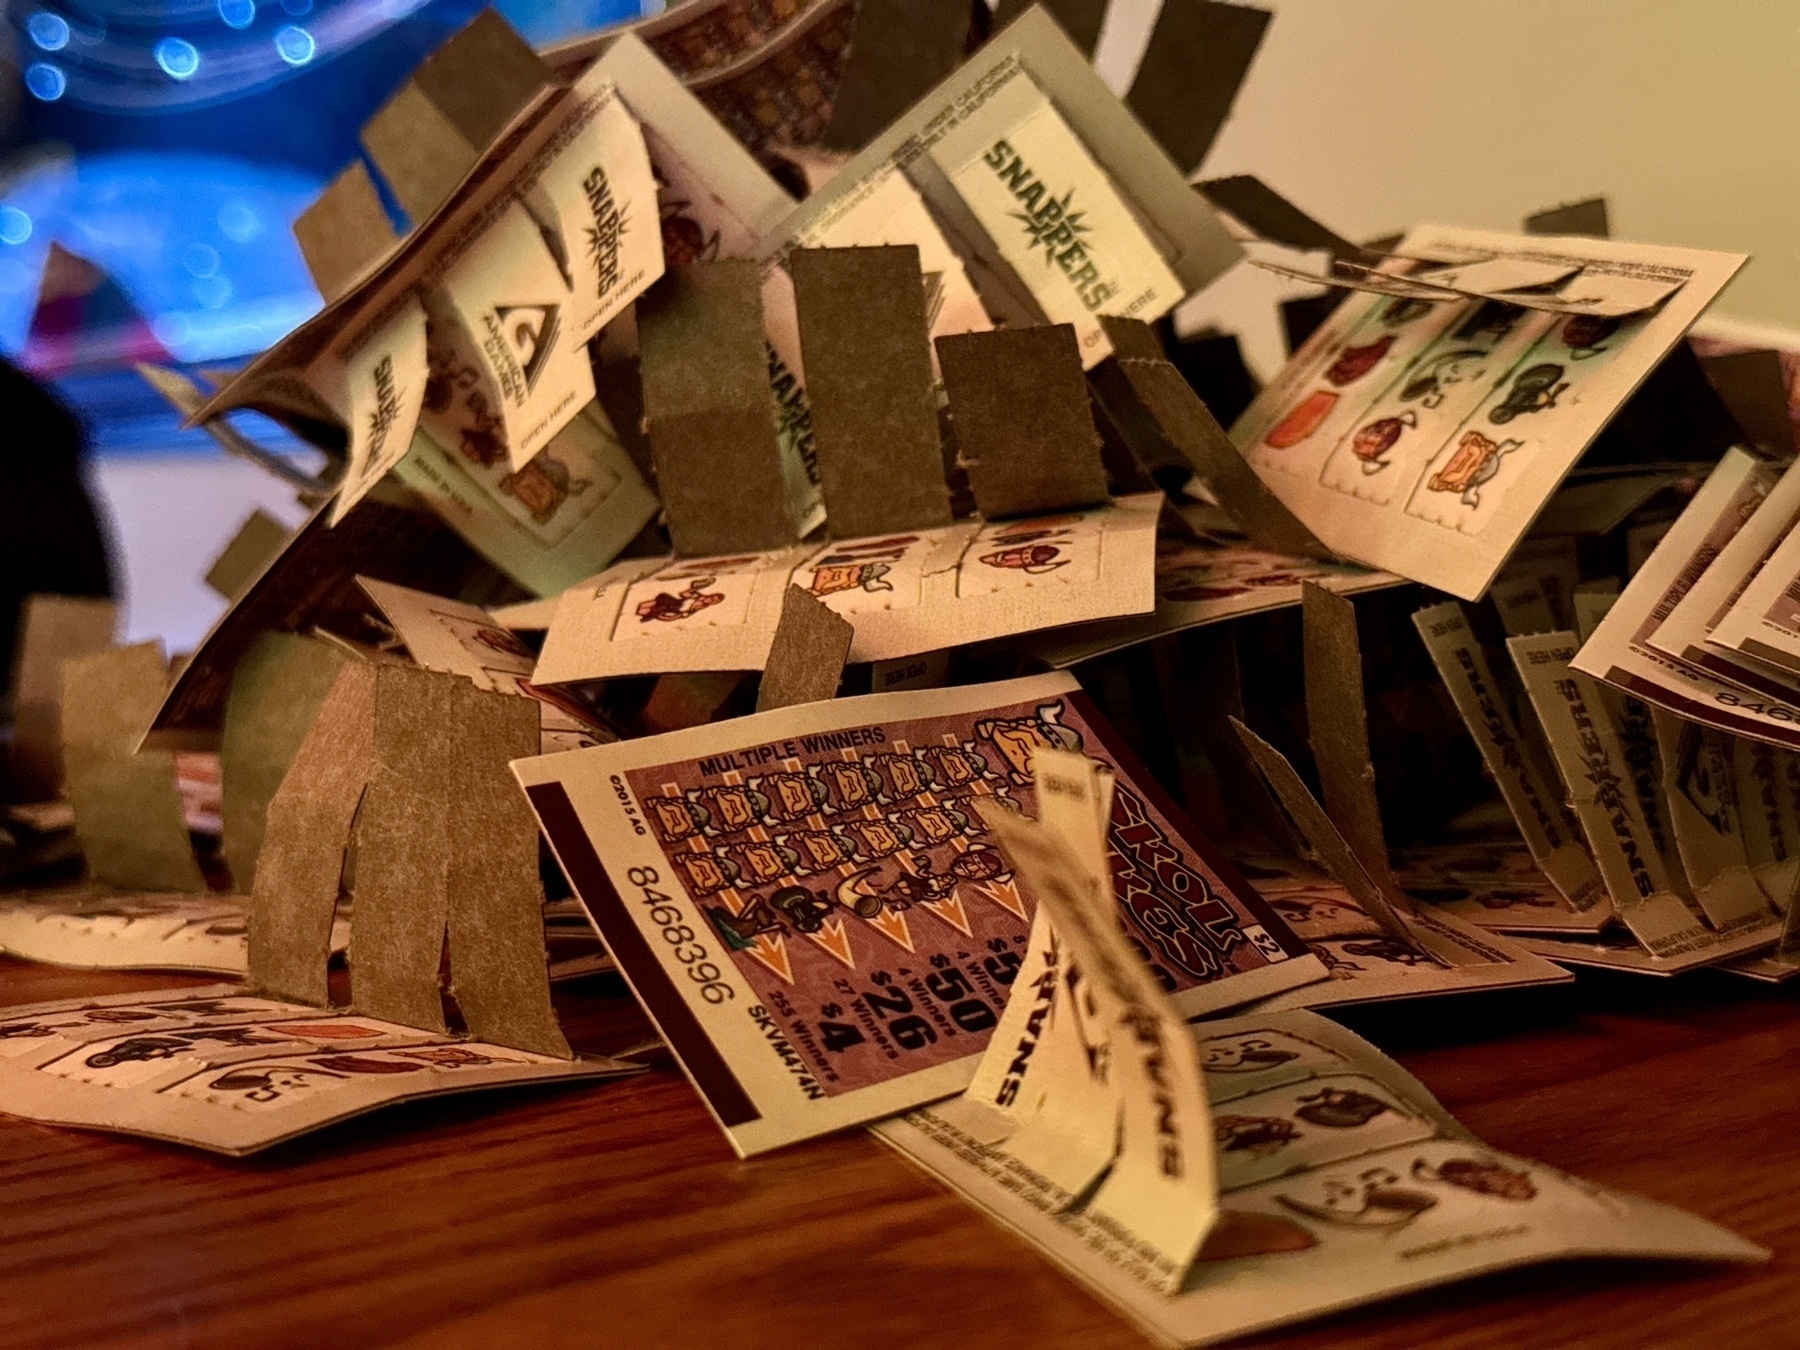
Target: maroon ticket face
x=810, y=906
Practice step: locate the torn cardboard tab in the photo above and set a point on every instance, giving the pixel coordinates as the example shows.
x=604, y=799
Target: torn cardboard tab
x=1338, y=727
x=706, y=404
x=1199, y=53
x=806, y=660
x=52, y=630
x=344, y=231
x=446, y=849
x=255, y=545
x=1316, y=828
x=1155, y=407
x=128, y=811
x=1024, y=430
x=863, y=331
x=1587, y=217
x=1269, y=215
x=898, y=50
x=276, y=694
x=300, y=867
x=460, y=98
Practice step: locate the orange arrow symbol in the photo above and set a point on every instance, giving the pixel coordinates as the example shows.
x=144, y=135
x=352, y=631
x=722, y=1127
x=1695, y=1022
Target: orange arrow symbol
x=772, y=952
x=835, y=940
x=950, y=910
x=1006, y=895
x=893, y=926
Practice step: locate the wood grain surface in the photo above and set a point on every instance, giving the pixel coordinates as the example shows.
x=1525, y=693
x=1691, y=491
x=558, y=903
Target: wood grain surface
x=616, y=1216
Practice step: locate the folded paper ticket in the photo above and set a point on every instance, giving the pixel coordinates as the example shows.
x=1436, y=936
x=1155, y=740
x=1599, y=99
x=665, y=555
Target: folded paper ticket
x=220, y=1069
x=811, y=908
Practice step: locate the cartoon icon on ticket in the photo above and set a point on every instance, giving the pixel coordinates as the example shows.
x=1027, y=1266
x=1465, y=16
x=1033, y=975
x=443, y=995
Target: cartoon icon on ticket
x=1582, y=334
x=829, y=578
x=1484, y=1176
x=1355, y=362
x=1474, y=463
x=1376, y=1201
x=1302, y=420
x=1032, y=558
x=1534, y=390
x=666, y=608
x=1371, y=443
x=1258, y=1136
x=544, y=485
x=1340, y=1108
x=1019, y=738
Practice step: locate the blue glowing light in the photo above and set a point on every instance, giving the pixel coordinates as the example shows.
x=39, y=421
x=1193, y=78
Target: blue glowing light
x=239, y=222
x=179, y=58
x=237, y=13
x=45, y=81
x=295, y=44
x=298, y=8
x=201, y=260
x=15, y=225
x=49, y=31
x=213, y=292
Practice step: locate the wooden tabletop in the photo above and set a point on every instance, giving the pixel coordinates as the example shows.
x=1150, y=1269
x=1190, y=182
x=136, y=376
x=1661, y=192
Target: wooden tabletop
x=615, y=1215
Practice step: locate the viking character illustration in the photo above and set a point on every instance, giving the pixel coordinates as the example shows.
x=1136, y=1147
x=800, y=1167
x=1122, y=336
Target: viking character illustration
x=791, y=796
x=830, y=577
x=544, y=485
x=1035, y=559
x=936, y=824
x=1340, y=1108
x=732, y=807
x=876, y=838
x=954, y=766
x=1257, y=1135
x=1018, y=738
x=817, y=850
x=1371, y=443
x=847, y=784
x=704, y=873
x=1484, y=1176
x=1378, y=1201
x=666, y=608
x=761, y=862
x=677, y=818
x=905, y=776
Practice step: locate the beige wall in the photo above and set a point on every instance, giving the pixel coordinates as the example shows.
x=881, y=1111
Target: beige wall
x=1375, y=114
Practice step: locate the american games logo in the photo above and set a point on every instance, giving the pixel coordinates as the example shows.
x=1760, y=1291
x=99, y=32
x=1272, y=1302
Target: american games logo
x=1052, y=224
x=608, y=230
x=519, y=342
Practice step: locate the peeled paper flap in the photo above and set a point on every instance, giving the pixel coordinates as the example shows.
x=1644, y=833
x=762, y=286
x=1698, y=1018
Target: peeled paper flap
x=898, y=50
x=460, y=98
x=1199, y=53
x=52, y=629
x=706, y=402
x=1163, y=1185
x=343, y=231
x=1700, y=787
x=1269, y=215
x=128, y=813
x=865, y=343
x=1024, y=430
x=383, y=379
x=1316, y=827
x=806, y=659
x=1337, y=725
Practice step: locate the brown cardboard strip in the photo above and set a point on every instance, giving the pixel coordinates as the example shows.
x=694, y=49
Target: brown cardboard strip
x=276, y=694
x=1148, y=399
x=344, y=231
x=461, y=97
x=52, y=628
x=1754, y=388
x=1312, y=822
x=806, y=660
x=1199, y=53
x=707, y=409
x=495, y=903
x=866, y=345
x=1024, y=430
x=128, y=815
x=301, y=863
x=1273, y=216
x=255, y=545
x=898, y=50
x=1338, y=726
x=1584, y=217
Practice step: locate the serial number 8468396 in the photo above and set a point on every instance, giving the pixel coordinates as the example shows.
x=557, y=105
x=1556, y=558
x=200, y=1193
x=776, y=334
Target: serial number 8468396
x=683, y=942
